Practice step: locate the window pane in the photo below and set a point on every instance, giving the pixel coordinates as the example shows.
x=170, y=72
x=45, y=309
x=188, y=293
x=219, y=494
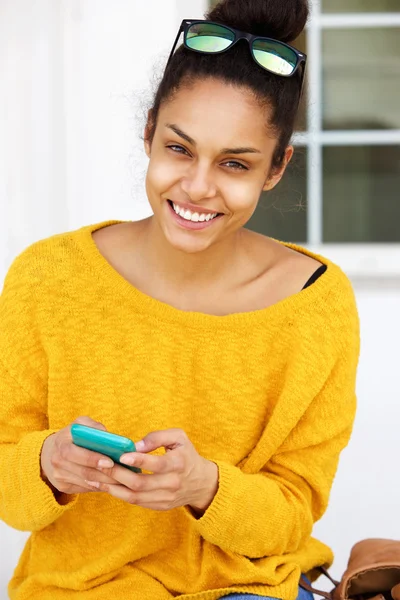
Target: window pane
x=346, y=6
x=361, y=79
x=281, y=213
x=361, y=194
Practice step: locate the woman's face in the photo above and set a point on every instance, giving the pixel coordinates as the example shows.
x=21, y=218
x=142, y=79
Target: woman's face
x=210, y=159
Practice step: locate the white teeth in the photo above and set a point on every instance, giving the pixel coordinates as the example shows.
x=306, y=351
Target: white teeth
x=195, y=217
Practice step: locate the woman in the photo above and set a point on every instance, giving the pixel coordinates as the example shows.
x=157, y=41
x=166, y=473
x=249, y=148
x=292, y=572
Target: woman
x=192, y=336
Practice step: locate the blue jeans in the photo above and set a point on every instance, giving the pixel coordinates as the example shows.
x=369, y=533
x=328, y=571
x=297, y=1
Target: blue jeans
x=303, y=595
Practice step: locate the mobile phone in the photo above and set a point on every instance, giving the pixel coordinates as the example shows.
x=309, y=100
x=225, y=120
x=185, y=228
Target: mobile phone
x=109, y=444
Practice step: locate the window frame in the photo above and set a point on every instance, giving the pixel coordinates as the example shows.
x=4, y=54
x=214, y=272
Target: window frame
x=357, y=259
x=315, y=138
x=370, y=259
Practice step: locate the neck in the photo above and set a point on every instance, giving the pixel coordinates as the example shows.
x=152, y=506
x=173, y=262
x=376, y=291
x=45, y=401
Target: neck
x=195, y=271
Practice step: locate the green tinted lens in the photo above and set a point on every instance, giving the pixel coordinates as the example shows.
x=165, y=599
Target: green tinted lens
x=205, y=37
x=275, y=57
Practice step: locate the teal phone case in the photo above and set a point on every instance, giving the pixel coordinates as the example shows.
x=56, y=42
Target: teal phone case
x=106, y=443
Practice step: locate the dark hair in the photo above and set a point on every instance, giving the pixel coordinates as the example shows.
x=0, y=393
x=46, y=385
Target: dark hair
x=282, y=20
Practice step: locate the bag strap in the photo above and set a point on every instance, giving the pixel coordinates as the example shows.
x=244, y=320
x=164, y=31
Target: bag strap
x=329, y=576
x=309, y=588
x=327, y=595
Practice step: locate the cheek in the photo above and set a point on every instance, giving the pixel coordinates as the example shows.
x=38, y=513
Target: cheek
x=242, y=196
x=159, y=176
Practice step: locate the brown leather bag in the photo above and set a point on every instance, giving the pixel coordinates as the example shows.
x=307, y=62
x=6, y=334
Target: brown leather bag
x=373, y=573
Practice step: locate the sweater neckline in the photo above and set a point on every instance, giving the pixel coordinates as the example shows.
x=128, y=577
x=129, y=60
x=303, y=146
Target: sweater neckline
x=166, y=312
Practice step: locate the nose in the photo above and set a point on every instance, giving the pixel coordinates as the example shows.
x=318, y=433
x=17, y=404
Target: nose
x=198, y=183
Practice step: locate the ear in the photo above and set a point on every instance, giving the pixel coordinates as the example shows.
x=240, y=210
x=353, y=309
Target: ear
x=147, y=130
x=276, y=173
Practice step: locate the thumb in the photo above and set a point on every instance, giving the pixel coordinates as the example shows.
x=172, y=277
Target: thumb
x=167, y=438
x=90, y=423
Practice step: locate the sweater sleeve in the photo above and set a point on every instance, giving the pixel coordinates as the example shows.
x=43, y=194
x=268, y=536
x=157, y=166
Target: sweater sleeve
x=26, y=501
x=273, y=511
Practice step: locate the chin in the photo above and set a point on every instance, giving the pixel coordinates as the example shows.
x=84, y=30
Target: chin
x=187, y=242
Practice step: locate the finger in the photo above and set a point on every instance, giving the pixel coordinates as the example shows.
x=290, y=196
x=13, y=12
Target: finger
x=171, y=462
x=71, y=453
x=142, y=483
x=69, y=483
x=90, y=423
x=88, y=474
x=167, y=438
x=84, y=472
x=123, y=476
x=158, y=500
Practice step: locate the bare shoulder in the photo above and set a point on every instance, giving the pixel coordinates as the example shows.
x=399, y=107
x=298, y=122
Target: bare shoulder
x=303, y=263
x=113, y=236
x=118, y=244
x=287, y=267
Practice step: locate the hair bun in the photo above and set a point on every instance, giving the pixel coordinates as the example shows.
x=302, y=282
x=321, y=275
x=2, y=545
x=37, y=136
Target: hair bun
x=283, y=20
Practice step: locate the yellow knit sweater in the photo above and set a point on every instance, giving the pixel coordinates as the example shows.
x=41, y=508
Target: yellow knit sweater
x=268, y=395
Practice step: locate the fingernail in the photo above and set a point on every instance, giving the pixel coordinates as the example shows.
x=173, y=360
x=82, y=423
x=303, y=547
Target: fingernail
x=105, y=463
x=139, y=446
x=94, y=484
x=127, y=460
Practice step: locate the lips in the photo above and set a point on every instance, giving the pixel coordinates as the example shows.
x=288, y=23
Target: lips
x=194, y=209
x=198, y=224
x=194, y=216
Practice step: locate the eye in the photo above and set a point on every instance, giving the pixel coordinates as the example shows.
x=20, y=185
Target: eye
x=235, y=166
x=178, y=149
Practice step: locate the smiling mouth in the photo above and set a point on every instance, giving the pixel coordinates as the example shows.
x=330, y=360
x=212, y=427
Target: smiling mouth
x=194, y=217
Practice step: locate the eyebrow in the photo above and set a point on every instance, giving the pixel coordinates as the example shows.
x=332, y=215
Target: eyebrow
x=187, y=138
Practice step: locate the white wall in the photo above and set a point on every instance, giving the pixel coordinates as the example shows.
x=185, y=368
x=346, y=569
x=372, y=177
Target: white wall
x=70, y=155
x=75, y=80
x=366, y=495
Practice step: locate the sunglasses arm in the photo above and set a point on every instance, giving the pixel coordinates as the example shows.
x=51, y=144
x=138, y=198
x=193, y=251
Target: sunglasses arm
x=302, y=80
x=175, y=44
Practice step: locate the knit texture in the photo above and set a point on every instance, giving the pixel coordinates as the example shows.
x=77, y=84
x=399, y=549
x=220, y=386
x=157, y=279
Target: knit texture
x=268, y=395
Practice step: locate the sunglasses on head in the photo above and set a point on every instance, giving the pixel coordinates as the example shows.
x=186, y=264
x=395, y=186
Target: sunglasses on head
x=207, y=37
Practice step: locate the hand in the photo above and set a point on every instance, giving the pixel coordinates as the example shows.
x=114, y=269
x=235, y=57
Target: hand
x=181, y=477
x=66, y=467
